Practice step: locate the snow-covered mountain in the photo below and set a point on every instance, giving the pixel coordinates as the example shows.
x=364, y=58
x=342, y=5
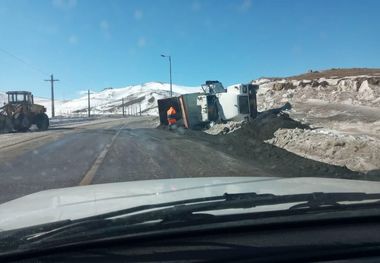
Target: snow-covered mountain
x=109, y=100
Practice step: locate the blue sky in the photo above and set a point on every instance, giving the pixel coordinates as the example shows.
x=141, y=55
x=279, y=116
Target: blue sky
x=93, y=44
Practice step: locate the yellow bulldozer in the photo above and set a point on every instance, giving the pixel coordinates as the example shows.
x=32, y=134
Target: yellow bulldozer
x=20, y=113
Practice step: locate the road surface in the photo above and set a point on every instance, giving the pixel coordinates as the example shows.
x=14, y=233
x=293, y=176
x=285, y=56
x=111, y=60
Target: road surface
x=106, y=151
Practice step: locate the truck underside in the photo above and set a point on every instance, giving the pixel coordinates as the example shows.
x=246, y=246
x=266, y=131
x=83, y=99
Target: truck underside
x=215, y=104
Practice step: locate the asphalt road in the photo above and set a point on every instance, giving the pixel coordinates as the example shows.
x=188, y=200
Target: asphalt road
x=107, y=151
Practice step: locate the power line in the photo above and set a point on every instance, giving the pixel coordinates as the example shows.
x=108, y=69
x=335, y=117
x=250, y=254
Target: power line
x=22, y=61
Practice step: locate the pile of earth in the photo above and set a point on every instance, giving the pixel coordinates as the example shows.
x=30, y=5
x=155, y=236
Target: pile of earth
x=249, y=143
x=342, y=110
x=357, y=152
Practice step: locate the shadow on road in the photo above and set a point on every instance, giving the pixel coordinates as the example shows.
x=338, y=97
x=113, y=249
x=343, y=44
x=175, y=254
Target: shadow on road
x=374, y=173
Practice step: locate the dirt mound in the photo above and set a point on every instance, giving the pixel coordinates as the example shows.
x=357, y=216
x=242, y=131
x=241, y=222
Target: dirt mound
x=267, y=123
x=249, y=143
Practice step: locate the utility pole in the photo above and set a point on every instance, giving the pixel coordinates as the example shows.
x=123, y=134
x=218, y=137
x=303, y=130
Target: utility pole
x=170, y=65
x=122, y=102
x=170, y=72
x=89, y=106
x=52, y=80
x=140, y=107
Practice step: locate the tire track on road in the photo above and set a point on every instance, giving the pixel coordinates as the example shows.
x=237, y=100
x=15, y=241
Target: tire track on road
x=90, y=174
x=10, y=151
x=6, y=147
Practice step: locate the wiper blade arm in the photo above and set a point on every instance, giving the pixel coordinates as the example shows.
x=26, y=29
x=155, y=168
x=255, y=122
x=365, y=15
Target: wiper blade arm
x=310, y=200
x=184, y=210
x=249, y=200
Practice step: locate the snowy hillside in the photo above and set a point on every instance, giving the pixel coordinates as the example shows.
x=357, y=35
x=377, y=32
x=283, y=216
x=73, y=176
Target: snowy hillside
x=109, y=100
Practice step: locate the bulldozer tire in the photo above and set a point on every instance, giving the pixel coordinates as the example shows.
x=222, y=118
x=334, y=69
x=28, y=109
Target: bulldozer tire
x=22, y=123
x=2, y=124
x=42, y=122
x=8, y=125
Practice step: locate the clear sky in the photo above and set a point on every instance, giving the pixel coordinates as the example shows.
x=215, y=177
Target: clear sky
x=93, y=44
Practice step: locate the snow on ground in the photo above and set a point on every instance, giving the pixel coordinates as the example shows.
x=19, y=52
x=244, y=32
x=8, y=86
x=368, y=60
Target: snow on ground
x=344, y=113
x=357, y=152
x=224, y=128
x=359, y=90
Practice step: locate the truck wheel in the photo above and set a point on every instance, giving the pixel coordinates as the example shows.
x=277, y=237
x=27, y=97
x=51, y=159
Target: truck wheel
x=42, y=122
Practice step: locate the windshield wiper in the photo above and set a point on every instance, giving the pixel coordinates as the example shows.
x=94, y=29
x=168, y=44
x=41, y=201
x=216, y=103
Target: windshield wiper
x=186, y=210
x=241, y=200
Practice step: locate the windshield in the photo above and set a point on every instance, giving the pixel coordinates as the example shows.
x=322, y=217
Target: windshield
x=133, y=104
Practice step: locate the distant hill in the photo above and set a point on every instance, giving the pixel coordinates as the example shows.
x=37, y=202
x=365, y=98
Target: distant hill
x=109, y=100
x=332, y=73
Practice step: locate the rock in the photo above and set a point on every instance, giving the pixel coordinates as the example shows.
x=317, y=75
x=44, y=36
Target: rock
x=315, y=84
x=225, y=130
x=324, y=83
x=283, y=86
x=374, y=81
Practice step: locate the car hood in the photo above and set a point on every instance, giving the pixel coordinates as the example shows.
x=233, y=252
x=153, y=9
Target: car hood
x=82, y=201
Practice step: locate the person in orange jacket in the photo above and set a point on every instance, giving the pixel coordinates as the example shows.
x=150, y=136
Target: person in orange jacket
x=171, y=114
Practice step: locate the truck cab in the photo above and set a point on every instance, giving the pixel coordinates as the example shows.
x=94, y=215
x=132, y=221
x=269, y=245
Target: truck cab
x=20, y=97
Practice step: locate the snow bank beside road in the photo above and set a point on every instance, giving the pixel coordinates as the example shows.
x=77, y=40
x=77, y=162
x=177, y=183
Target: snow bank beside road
x=360, y=90
x=344, y=113
x=356, y=152
x=224, y=128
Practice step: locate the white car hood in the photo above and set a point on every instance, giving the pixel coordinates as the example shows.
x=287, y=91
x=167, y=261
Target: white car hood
x=82, y=201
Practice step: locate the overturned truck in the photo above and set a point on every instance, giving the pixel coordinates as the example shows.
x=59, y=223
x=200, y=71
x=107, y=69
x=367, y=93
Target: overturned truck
x=213, y=104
